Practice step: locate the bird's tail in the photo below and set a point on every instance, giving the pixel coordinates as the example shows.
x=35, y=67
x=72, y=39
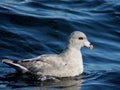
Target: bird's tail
x=6, y=61
x=16, y=66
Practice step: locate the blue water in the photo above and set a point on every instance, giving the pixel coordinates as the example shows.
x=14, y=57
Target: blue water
x=29, y=28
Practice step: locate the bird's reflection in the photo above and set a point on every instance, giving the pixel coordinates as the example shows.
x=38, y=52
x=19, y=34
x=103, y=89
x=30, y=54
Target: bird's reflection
x=16, y=80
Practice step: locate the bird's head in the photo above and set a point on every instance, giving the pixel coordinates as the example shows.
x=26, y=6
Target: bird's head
x=78, y=39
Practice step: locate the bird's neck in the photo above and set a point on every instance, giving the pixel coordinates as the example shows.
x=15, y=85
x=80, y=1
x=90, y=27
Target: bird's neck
x=73, y=53
x=71, y=45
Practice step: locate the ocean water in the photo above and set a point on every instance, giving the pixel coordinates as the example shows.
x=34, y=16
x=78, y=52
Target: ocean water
x=29, y=28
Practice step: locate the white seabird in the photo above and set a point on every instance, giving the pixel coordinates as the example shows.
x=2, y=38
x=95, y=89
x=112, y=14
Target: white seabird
x=69, y=63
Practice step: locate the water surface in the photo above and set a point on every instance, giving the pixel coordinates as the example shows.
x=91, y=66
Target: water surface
x=29, y=28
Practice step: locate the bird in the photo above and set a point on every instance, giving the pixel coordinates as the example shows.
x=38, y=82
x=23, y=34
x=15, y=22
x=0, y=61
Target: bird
x=68, y=63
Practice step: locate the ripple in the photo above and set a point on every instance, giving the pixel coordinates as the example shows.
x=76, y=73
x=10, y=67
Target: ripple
x=29, y=28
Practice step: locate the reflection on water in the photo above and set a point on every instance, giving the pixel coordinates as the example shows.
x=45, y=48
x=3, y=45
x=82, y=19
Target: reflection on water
x=16, y=81
x=29, y=28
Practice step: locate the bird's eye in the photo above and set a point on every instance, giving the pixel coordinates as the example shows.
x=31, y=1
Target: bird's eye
x=80, y=38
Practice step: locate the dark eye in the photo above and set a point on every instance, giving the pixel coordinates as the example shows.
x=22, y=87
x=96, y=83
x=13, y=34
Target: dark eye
x=80, y=38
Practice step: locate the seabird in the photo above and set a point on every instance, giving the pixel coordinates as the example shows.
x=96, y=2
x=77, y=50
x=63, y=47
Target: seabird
x=69, y=63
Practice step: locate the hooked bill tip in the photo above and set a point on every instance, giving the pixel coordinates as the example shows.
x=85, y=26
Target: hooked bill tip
x=91, y=47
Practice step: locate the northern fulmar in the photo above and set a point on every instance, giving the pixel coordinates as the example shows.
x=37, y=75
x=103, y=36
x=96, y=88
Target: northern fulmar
x=69, y=63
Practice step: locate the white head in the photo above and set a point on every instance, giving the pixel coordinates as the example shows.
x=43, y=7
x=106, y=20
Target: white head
x=78, y=39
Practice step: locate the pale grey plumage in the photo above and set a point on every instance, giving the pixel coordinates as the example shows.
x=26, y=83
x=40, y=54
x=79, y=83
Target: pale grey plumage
x=67, y=64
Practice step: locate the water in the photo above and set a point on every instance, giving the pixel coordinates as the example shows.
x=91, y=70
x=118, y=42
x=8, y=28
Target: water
x=29, y=28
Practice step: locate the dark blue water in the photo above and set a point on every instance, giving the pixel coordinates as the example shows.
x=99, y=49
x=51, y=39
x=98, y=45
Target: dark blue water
x=29, y=28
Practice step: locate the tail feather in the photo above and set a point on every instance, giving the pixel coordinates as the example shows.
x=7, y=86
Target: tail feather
x=7, y=61
x=18, y=67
